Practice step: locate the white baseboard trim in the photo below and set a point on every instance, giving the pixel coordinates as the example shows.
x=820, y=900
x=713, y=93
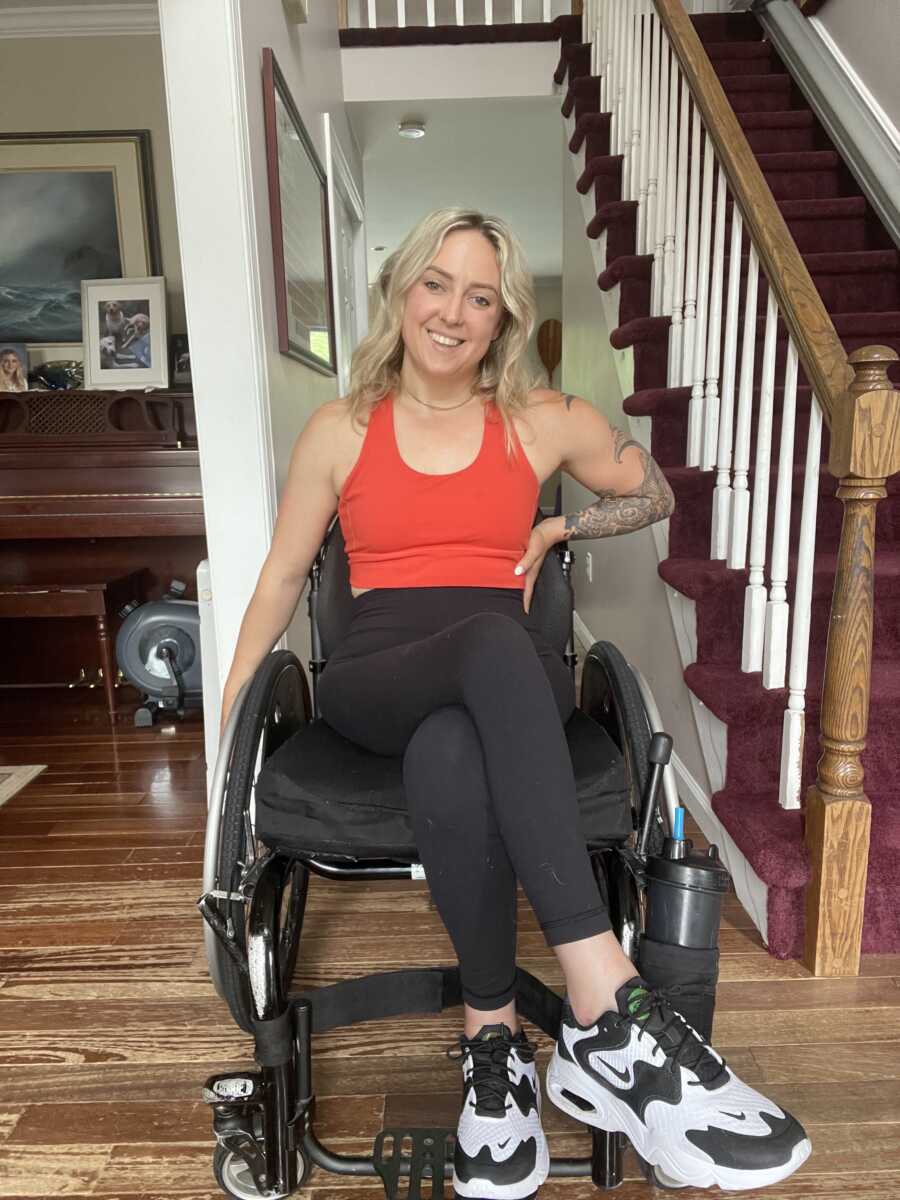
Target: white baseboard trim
x=85, y=20
x=582, y=632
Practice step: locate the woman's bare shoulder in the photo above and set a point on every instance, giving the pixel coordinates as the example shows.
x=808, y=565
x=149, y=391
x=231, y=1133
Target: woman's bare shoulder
x=334, y=418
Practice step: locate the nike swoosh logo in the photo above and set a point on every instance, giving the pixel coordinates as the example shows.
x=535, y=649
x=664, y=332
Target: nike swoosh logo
x=625, y=1076
x=735, y=1116
x=503, y=1145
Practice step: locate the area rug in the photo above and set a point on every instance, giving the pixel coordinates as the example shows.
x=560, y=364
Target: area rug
x=13, y=779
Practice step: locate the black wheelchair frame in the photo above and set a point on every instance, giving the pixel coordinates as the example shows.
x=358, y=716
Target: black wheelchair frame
x=253, y=905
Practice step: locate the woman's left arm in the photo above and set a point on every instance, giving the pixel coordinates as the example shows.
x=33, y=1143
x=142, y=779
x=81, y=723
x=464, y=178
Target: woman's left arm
x=631, y=490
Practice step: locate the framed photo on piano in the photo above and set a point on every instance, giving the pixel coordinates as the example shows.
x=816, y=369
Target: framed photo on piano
x=125, y=342
x=298, y=209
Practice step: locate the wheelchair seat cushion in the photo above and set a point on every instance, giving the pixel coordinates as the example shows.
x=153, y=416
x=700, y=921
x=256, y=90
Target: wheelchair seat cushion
x=322, y=794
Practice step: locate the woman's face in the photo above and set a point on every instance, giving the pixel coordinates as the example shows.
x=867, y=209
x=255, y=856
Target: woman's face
x=9, y=362
x=455, y=300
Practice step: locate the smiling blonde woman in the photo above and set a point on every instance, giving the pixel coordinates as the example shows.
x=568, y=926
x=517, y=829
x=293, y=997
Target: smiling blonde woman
x=434, y=464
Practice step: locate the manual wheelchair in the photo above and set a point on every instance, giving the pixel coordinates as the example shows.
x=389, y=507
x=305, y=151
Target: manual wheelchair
x=290, y=797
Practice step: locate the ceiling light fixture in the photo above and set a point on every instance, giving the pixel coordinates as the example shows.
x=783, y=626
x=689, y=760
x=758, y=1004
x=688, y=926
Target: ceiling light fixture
x=411, y=129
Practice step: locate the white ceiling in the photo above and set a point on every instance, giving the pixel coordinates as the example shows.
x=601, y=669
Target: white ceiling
x=503, y=156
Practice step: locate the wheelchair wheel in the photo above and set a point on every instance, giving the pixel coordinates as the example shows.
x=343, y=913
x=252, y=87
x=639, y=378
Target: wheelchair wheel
x=610, y=696
x=276, y=706
x=235, y=1179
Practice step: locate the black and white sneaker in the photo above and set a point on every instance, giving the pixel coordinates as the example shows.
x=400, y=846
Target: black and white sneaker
x=645, y=1072
x=501, y=1152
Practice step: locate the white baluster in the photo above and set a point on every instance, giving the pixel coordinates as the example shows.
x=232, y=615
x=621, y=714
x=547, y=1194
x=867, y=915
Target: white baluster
x=698, y=357
x=373, y=16
x=546, y=10
x=598, y=50
x=644, y=168
x=460, y=14
x=629, y=92
x=429, y=12
x=602, y=38
x=755, y=593
x=714, y=338
x=775, y=642
x=636, y=104
x=658, y=246
x=693, y=246
x=517, y=12
x=740, y=496
x=721, y=514
x=488, y=12
x=619, y=67
x=794, y=715
x=616, y=17
x=652, y=137
x=676, y=336
x=401, y=14
x=671, y=187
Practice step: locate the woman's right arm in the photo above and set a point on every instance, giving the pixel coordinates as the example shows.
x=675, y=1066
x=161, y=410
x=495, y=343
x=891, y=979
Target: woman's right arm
x=308, y=503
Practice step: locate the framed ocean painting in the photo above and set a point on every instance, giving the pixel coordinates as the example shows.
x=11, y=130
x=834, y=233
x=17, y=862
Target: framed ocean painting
x=73, y=206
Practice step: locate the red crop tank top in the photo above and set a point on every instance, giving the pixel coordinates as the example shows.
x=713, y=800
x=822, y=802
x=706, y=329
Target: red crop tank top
x=468, y=528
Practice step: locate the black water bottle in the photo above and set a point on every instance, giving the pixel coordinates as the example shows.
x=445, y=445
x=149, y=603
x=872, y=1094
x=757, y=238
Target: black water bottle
x=685, y=890
x=679, y=946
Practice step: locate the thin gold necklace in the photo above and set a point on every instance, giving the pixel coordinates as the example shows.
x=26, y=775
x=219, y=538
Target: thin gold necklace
x=443, y=407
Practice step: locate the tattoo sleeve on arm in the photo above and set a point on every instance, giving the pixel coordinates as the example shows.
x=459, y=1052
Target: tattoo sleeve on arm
x=611, y=513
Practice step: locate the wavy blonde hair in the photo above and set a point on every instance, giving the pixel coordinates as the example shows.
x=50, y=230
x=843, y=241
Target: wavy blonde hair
x=504, y=370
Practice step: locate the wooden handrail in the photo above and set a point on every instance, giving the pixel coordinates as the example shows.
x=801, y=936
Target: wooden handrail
x=818, y=345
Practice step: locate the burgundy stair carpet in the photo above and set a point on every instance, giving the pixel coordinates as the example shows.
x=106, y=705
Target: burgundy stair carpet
x=856, y=269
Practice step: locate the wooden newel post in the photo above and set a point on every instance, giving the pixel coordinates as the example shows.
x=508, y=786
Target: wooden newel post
x=865, y=450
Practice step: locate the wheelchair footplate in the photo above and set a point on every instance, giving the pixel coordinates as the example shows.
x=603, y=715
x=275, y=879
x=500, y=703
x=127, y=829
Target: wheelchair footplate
x=419, y=1156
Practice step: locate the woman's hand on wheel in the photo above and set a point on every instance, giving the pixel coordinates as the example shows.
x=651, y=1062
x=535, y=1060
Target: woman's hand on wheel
x=542, y=539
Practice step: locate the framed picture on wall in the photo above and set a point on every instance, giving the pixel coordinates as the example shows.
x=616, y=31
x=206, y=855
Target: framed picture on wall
x=298, y=207
x=73, y=206
x=125, y=343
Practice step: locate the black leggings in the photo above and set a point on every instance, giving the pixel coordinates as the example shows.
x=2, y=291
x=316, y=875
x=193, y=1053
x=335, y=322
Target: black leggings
x=461, y=682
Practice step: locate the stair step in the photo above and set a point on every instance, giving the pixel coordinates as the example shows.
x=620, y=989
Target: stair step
x=754, y=714
x=583, y=96
x=783, y=131
x=743, y=58
x=845, y=221
x=590, y=123
x=758, y=93
x=575, y=60
x=772, y=841
x=850, y=281
x=771, y=838
x=719, y=595
x=726, y=27
x=669, y=408
x=806, y=175
x=690, y=525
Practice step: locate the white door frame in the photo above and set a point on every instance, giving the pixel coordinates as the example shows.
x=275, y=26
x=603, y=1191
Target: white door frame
x=342, y=189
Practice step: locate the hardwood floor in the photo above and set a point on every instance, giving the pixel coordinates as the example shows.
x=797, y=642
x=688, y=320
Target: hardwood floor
x=109, y=1024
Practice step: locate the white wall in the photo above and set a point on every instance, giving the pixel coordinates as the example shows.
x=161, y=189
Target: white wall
x=625, y=603
x=59, y=84
x=868, y=34
x=251, y=401
x=418, y=73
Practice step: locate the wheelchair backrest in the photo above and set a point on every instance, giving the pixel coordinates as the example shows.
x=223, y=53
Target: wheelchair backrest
x=332, y=608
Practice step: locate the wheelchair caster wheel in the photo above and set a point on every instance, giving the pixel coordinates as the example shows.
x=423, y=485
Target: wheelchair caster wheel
x=236, y=1180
